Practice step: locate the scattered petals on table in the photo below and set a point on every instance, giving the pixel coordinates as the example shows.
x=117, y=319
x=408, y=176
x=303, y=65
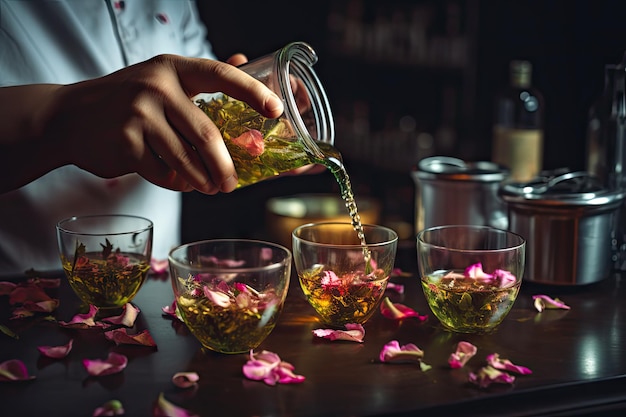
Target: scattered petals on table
x=121, y=337
x=56, y=352
x=164, y=408
x=488, y=375
x=114, y=363
x=495, y=361
x=127, y=318
x=172, y=311
x=110, y=408
x=464, y=352
x=14, y=370
x=397, y=272
x=398, y=288
x=397, y=311
x=545, y=302
x=159, y=266
x=267, y=366
x=185, y=379
x=392, y=352
x=354, y=333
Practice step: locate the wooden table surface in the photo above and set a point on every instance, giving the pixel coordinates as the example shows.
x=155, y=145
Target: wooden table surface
x=578, y=359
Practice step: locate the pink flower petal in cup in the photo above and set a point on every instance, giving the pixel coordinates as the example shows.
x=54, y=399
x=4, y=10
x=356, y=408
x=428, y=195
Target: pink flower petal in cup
x=476, y=271
x=164, y=408
x=218, y=298
x=488, y=375
x=14, y=370
x=397, y=311
x=114, y=363
x=506, y=278
x=354, y=333
x=56, y=352
x=506, y=365
x=464, y=352
x=185, y=379
x=545, y=302
x=110, y=408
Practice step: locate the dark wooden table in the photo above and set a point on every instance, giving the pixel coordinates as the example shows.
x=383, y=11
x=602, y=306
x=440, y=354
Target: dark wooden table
x=578, y=358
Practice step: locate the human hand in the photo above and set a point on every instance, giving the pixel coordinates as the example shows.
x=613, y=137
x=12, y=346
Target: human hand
x=141, y=119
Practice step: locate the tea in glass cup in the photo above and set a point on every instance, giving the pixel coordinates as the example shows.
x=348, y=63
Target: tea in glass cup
x=230, y=292
x=106, y=258
x=343, y=279
x=471, y=275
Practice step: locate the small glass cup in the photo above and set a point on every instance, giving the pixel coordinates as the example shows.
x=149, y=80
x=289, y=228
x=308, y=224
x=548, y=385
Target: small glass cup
x=470, y=274
x=106, y=258
x=343, y=280
x=230, y=292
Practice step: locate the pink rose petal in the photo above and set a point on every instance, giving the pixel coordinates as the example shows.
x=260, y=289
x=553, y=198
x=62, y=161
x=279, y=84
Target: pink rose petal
x=14, y=370
x=392, y=352
x=464, y=352
x=397, y=311
x=185, y=379
x=6, y=287
x=159, y=266
x=354, y=333
x=494, y=361
x=83, y=321
x=164, y=408
x=399, y=288
x=114, y=363
x=110, y=408
x=476, y=271
x=56, y=352
x=121, y=337
x=267, y=367
x=251, y=141
x=545, y=302
x=127, y=318
x=488, y=375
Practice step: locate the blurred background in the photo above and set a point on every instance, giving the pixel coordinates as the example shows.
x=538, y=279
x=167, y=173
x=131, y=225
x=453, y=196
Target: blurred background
x=407, y=79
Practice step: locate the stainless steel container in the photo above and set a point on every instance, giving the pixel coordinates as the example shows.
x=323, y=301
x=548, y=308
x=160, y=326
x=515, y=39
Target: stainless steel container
x=567, y=220
x=452, y=191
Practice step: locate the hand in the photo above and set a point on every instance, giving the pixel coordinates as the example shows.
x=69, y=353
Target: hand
x=139, y=119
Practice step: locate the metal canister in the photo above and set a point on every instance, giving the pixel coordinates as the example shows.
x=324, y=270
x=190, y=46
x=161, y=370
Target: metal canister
x=567, y=220
x=452, y=191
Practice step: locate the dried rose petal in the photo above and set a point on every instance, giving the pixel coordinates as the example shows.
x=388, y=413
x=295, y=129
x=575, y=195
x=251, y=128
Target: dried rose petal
x=185, y=379
x=397, y=272
x=56, y=352
x=164, y=408
x=172, y=310
x=543, y=301
x=121, y=337
x=6, y=287
x=488, y=375
x=110, y=408
x=268, y=367
x=218, y=298
x=392, y=352
x=464, y=352
x=83, y=321
x=114, y=363
x=397, y=311
x=353, y=333
x=399, y=288
x=14, y=370
x=127, y=318
x=159, y=266
x=505, y=364
x=251, y=141
x=476, y=271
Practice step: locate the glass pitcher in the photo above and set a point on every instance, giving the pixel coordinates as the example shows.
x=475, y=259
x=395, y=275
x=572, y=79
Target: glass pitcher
x=304, y=134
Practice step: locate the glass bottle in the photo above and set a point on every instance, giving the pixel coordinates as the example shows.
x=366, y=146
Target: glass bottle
x=304, y=134
x=518, y=126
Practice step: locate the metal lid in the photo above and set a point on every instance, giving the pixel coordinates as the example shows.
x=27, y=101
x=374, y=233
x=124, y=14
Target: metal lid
x=453, y=169
x=561, y=189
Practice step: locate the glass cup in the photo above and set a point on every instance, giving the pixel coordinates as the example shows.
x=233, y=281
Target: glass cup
x=470, y=275
x=106, y=258
x=343, y=280
x=304, y=134
x=230, y=292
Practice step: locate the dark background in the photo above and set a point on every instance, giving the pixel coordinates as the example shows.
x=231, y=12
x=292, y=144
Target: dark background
x=568, y=43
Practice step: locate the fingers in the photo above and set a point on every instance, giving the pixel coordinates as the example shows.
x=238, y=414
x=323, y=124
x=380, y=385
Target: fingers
x=237, y=59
